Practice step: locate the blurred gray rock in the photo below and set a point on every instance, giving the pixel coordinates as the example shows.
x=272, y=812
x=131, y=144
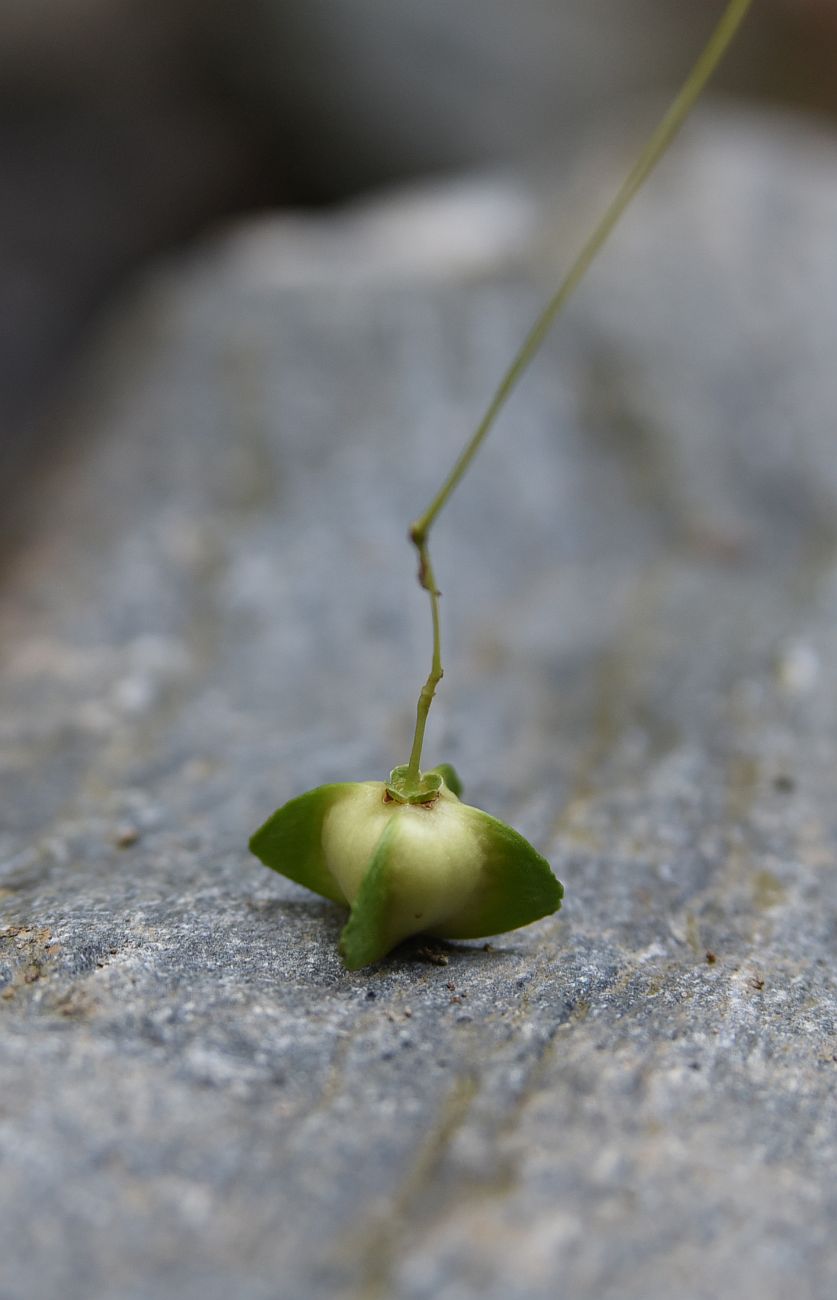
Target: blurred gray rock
x=215, y=610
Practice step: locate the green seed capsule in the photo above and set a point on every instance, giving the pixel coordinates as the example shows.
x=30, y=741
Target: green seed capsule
x=407, y=863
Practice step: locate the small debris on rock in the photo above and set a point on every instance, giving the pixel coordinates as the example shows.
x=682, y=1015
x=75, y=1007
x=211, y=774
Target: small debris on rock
x=126, y=836
x=433, y=955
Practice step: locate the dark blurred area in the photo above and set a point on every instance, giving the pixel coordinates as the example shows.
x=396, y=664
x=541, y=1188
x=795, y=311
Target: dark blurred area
x=128, y=126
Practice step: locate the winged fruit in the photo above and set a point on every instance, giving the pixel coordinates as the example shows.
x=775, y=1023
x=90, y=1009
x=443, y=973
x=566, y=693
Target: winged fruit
x=407, y=863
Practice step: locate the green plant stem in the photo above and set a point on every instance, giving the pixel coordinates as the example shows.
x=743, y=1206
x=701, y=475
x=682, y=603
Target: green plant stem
x=428, y=690
x=657, y=145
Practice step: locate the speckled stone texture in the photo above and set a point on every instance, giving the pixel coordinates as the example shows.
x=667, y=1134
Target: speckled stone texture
x=213, y=609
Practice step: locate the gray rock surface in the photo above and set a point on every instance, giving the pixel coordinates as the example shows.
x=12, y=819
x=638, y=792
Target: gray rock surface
x=215, y=610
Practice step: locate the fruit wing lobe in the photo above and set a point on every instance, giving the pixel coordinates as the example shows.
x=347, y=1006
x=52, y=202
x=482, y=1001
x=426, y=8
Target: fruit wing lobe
x=517, y=885
x=291, y=841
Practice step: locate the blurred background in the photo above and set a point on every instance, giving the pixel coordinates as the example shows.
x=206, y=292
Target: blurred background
x=127, y=127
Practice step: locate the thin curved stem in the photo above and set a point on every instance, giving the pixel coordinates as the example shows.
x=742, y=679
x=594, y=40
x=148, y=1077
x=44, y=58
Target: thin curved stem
x=656, y=146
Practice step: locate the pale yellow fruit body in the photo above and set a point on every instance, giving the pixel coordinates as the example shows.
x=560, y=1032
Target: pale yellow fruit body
x=436, y=857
